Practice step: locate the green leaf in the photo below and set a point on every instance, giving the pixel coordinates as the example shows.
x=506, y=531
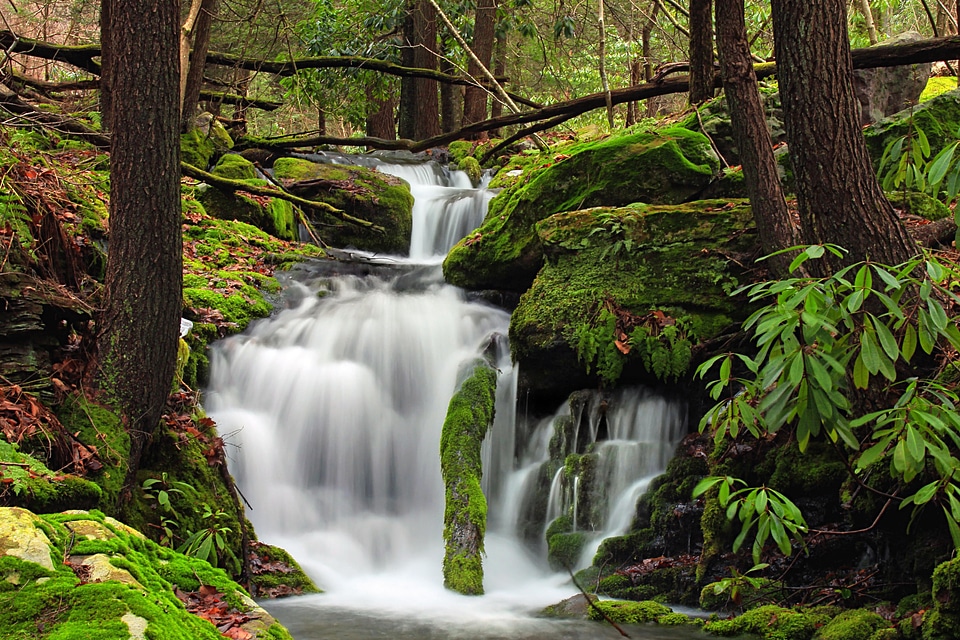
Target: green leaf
x=887, y=341
x=924, y=144
x=870, y=352
x=940, y=164
x=926, y=493
x=704, y=485
x=927, y=340
x=909, y=345
x=873, y=454
x=937, y=314
x=861, y=376
x=761, y=501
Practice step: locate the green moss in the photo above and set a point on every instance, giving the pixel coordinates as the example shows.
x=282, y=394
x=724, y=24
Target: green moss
x=506, y=252
x=919, y=204
x=294, y=578
x=471, y=167
x=855, y=624
x=938, y=117
x=54, y=605
x=623, y=612
x=664, y=271
x=234, y=167
x=240, y=307
x=469, y=415
x=196, y=149
x=937, y=85
x=39, y=489
x=943, y=621
x=770, y=622
x=275, y=217
x=564, y=549
x=101, y=427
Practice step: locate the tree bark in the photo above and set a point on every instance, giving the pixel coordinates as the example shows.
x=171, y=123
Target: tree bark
x=451, y=99
x=139, y=325
x=193, y=77
x=868, y=20
x=750, y=131
x=475, y=98
x=499, y=70
x=380, y=119
x=105, y=64
x=701, y=51
x=427, y=114
x=838, y=195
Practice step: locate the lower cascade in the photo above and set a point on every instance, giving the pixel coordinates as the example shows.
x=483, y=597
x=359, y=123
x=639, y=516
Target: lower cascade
x=334, y=408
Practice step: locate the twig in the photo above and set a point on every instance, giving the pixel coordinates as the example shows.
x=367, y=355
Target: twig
x=593, y=605
x=713, y=144
x=15, y=464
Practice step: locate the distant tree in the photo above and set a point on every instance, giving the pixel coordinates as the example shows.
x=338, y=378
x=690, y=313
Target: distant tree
x=701, y=51
x=419, y=97
x=475, y=98
x=139, y=324
x=838, y=195
x=194, y=44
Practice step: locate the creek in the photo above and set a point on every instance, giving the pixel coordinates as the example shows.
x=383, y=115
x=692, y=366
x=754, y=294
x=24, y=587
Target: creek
x=332, y=410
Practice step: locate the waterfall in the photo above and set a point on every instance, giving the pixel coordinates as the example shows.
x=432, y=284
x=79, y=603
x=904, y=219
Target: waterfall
x=332, y=410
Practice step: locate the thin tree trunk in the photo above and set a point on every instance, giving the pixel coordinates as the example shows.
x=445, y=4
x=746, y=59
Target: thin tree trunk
x=186, y=35
x=838, y=195
x=475, y=98
x=194, y=76
x=500, y=70
x=868, y=19
x=139, y=325
x=701, y=51
x=380, y=120
x=647, y=50
x=750, y=132
x=451, y=99
x=427, y=115
x=106, y=64
x=602, y=53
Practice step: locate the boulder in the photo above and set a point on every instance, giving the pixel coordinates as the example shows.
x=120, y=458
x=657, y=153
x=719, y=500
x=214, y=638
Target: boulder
x=273, y=215
x=668, y=167
x=363, y=193
x=884, y=91
x=938, y=118
x=235, y=167
x=202, y=143
x=109, y=583
x=629, y=291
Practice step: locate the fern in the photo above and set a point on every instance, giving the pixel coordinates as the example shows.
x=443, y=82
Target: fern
x=14, y=217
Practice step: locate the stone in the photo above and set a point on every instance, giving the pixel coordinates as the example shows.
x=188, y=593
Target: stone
x=884, y=91
x=21, y=538
x=101, y=570
x=668, y=167
x=137, y=626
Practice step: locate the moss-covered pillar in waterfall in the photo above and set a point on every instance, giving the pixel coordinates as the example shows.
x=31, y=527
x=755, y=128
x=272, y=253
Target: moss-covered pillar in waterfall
x=469, y=416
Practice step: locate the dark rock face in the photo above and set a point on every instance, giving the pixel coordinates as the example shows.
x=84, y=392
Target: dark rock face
x=887, y=90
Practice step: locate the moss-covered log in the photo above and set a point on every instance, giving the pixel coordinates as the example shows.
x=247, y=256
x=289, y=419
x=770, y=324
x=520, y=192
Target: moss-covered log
x=469, y=416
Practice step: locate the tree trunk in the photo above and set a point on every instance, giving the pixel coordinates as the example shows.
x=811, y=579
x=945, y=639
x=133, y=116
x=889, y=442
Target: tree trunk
x=451, y=99
x=647, y=50
x=500, y=70
x=408, y=87
x=139, y=325
x=701, y=51
x=426, y=116
x=380, y=120
x=750, y=132
x=868, y=20
x=475, y=98
x=838, y=195
x=106, y=62
x=194, y=76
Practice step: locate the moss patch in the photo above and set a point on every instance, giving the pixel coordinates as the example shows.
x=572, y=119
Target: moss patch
x=27, y=482
x=469, y=415
x=633, y=288
x=505, y=253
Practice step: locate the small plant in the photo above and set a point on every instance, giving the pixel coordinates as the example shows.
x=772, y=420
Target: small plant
x=208, y=544
x=738, y=584
x=162, y=488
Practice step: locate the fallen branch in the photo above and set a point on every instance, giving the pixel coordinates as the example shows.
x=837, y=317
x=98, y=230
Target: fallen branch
x=230, y=186
x=10, y=102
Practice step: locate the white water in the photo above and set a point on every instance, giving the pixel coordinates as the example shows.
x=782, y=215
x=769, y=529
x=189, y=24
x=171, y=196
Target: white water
x=333, y=408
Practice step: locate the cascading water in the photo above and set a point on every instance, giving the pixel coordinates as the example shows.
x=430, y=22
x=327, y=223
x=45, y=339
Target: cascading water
x=335, y=406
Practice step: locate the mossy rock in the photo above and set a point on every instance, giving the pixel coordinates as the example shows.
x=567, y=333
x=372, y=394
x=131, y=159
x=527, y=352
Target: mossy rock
x=672, y=265
x=235, y=167
x=276, y=217
x=943, y=621
x=469, y=416
x=668, y=167
x=938, y=118
x=770, y=622
x=564, y=549
x=713, y=119
x=855, y=624
x=128, y=590
x=919, y=204
x=624, y=612
x=363, y=193
x=277, y=574
x=204, y=142
x=471, y=167
x=29, y=483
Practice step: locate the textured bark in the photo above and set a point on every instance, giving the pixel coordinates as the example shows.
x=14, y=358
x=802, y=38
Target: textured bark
x=408, y=87
x=499, y=70
x=194, y=76
x=750, y=132
x=475, y=98
x=838, y=195
x=139, y=325
x=380, y=119
x=451, y=99
x=427, y=115
x=701, y=51
x=105, y=63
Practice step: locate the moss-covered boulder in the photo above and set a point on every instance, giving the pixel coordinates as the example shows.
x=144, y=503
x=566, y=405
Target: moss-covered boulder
x=109, y=582
x=361, y=192
x=771, y=622
x=235, y=167
x=943, y=621
x=273, y=215
x=668, y=167
x=629, y=291
x=855, y=624
x=204, y=142
x=939, y=118
x=469, y=415
x=29, y=483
